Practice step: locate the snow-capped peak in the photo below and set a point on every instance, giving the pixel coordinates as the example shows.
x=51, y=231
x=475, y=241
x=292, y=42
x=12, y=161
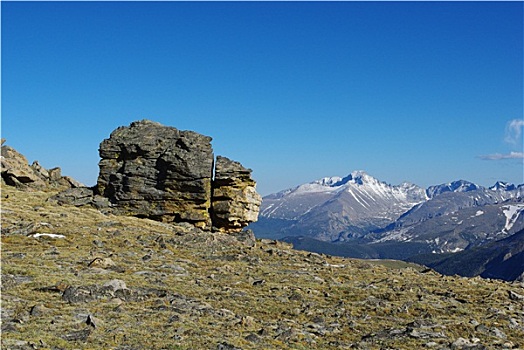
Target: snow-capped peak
x=455, y=186
x=336, y=183
x=358, y=177
x=328, y=181
x=502, y=186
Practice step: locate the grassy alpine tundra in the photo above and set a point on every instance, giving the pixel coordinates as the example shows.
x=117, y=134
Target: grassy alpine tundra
x=78, y=278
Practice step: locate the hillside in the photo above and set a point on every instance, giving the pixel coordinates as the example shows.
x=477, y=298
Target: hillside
x=502, y=259
x=74, y=277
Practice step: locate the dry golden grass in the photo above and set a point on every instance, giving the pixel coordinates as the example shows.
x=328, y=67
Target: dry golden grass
x=188, y=289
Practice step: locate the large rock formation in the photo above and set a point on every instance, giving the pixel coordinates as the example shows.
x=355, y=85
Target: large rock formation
x=16, y=171
x=153, y=171
x=235, y=199
x=159, y=172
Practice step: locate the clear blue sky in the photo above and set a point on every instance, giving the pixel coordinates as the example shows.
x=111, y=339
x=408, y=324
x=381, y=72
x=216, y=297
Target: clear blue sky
x=427, y=92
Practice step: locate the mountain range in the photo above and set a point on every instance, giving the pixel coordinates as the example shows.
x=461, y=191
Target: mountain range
x=361, y=216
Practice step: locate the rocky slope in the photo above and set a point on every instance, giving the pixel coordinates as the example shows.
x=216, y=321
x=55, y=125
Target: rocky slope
x=502, y=259
x=76, y=277
x=454, y=221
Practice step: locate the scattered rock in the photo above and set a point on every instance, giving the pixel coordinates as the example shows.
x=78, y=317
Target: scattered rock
x=462, y=343
x=80, y=196
x=253, y=338
x=226, y=346
x=497, y=333
x=80, y=335
x=246, y=237
x=425, y=334
x=92, y=321
x=16, y=171
x=515, y=296
x=78, y=295
x=102, y=263
x=115, y=285
x=38, y=310
x=259, y=282
x=57, y=288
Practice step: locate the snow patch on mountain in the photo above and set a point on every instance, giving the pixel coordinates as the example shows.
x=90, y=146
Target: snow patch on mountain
x=365, y=191
x=512, y=213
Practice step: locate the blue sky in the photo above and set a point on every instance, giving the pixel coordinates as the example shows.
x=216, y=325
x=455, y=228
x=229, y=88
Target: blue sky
x=426, y=92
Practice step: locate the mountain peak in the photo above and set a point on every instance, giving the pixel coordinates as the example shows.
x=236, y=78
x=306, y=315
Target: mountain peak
x=502, y=186
x=328, y=181
x=359, y=173
x=455, y=186
x=358, y=177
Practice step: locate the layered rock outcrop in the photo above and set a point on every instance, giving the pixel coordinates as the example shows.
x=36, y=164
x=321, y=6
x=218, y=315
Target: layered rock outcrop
x=235, y=201
x=162, y=173
x=153, y=171
x=159, y=172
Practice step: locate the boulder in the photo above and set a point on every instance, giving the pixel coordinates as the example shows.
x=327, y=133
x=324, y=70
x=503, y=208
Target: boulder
x=235, y=201
x=16, y=170
x=159, y=172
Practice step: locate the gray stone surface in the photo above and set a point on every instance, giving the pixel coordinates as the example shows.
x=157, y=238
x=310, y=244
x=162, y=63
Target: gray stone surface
x=80, y=196
x=159, y=172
